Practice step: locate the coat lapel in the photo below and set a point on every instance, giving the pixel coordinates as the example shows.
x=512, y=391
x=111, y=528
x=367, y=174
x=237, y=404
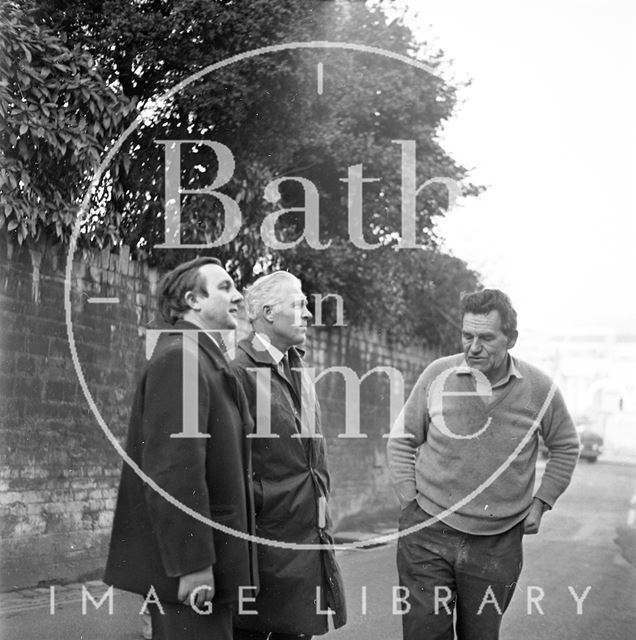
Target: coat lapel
x=210, y=347
x=206, y=342
x=252, y=347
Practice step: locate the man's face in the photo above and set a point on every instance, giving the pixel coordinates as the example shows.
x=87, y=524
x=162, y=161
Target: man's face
x=217, y=310
x=485, y=344
x=289, y=317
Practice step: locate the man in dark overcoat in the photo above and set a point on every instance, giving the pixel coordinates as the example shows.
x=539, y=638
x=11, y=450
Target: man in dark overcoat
x=291, y=481
x=190, y=467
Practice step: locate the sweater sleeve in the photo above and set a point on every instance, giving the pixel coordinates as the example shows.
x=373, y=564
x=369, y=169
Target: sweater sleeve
x=562, y=440
x=407, y=434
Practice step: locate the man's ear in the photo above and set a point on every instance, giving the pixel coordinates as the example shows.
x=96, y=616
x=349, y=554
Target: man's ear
x=512, y=339
x=268, y=312
x=191, y=300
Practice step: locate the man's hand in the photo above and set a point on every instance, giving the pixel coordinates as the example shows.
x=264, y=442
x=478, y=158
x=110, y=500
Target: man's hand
x=533, y=520
x=189, y=582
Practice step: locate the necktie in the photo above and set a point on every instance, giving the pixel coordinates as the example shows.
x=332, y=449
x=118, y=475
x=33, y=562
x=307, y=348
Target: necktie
x=289, y=374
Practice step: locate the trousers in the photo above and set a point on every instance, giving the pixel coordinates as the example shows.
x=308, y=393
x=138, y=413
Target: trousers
x=244, y=634
x=446, y=574
x=181, y=621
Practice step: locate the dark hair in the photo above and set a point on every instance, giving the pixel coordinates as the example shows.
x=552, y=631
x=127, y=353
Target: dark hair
x=487, y=300
x=176, y=283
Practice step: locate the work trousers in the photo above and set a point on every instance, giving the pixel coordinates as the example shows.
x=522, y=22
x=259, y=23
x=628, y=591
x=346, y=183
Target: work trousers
x=444, y=571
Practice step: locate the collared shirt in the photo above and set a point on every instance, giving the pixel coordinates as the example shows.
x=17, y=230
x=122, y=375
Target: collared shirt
x=267, y=345
x=512, y=371
x=261, y=341
x=210, y=333
x=447, y=446
x=217, y=338
x=213, y=334
x=212, y=337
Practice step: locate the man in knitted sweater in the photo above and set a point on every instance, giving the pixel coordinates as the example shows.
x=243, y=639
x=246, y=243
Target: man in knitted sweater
x=462, y=457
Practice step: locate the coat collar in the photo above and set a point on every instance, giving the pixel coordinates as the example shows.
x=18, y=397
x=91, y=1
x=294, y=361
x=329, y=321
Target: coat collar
x=255, y=349
x=261, y=341
x=209, y=344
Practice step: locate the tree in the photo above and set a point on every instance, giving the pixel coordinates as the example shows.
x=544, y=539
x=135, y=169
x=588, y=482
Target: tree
x=268, y=112
x=145, y=48
x=412, y=296
x=371, y=102
x=266, y=109
x=56, y=116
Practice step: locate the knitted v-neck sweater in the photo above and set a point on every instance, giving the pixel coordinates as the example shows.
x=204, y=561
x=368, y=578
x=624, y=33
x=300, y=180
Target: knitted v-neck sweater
x=470, y=459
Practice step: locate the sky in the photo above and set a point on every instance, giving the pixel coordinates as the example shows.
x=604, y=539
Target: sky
x=548, y=125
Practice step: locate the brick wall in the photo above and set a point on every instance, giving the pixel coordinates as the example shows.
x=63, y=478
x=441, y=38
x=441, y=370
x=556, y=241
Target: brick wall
x=358, y=465
x=59, y=474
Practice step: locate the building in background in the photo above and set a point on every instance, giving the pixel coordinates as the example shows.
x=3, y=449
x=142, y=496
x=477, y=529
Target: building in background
x=597, y=373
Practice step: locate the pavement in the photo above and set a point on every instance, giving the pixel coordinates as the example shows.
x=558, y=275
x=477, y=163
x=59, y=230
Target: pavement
x=70, y=600
x=59, y=596
x=42, y=597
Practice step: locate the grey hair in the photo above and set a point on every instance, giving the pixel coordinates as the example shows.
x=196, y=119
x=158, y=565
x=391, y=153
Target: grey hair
x=265, y=291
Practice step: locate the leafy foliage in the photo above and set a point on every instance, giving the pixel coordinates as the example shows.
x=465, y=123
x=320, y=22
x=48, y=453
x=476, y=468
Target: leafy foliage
x=410, y=295
x=268, y=112
x=56, y=115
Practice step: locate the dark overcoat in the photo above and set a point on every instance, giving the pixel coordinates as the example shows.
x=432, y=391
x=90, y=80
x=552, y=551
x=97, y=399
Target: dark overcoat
x=290, y=477
x=153, y=541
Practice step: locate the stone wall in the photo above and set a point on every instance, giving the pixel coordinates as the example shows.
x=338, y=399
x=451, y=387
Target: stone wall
x=60, y=472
